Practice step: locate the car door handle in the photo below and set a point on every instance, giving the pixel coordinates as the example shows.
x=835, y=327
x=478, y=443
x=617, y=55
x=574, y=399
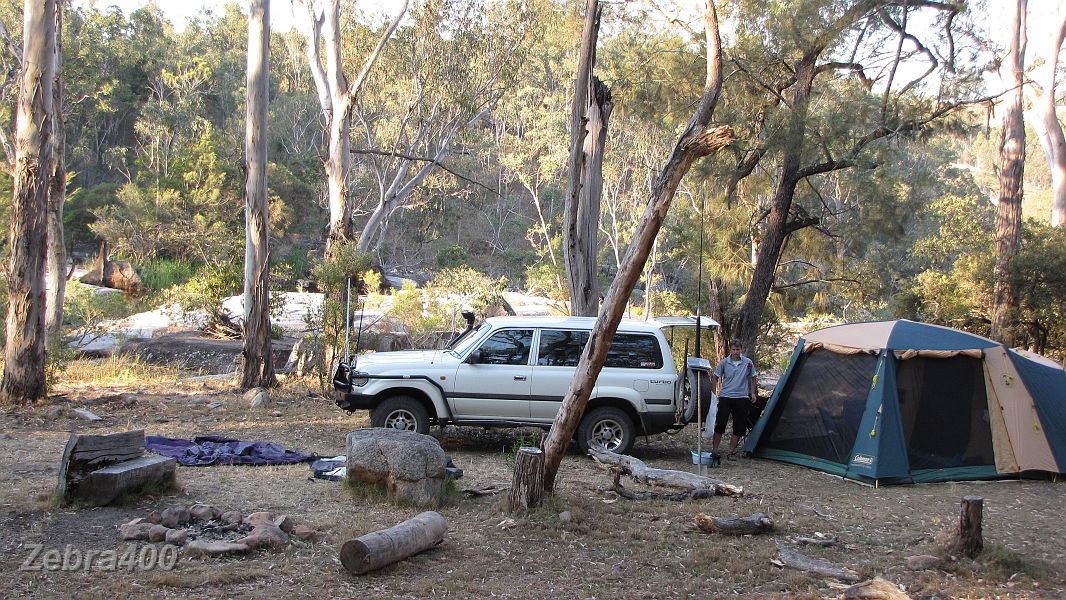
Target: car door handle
x=519, y=377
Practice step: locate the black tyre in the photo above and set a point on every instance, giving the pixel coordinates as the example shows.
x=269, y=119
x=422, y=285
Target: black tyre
x=401, y=412
x=607, y=428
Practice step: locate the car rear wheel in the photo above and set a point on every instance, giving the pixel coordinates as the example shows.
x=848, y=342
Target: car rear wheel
x=401, y=412
x=606, y=428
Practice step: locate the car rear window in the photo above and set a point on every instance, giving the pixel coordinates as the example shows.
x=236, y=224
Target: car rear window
x=562, y=348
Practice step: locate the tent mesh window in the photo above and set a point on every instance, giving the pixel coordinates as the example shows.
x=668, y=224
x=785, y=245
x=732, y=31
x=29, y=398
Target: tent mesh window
x=944, y=410
x=822, y=406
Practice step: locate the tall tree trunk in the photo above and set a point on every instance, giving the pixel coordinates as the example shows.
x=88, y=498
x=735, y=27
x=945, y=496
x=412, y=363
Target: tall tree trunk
x=257, y=364
x=56, y=256
x=1046, y=124
x=579, y=249
x=24, y=380
x=335, y=96
x=695, y=142
x=1009, y=209
x=777, y=223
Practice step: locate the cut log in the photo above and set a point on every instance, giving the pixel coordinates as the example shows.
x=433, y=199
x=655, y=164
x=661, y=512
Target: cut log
x=971, y=541
x=756, y=523
x=527, y=484
x=646, y=475
x=375, y=550
x=794, y=560
x=106, y=485
x=815, y=541
x=86, y=453
x=874, y=589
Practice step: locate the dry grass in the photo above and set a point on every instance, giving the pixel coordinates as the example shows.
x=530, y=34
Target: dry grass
x=603, y=547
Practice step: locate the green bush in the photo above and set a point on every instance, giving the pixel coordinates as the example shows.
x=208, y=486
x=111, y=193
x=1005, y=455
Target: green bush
x=452, y=256
x=163, y=273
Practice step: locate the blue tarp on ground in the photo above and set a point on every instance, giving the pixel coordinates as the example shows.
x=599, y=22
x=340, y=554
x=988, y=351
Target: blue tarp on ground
x=216, y=450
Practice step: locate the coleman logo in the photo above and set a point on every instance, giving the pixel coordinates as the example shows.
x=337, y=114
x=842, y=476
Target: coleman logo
x=863, y=460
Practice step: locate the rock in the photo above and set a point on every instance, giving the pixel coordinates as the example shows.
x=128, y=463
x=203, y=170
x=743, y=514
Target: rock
x=304, y=532
x=284, y=523
x=258, y=518
x=203, y=512
x=158, y=533
x=55, y=412
x=921, y=562
x=257, y=397
x=214, y=405
x=87, y=414
x=874, y=589
x=265, y=535
x=410, y=465
x=174, y=516
x=139, y=520
x=153, y=517
x=135, y=531
x=177, y=537
x=565, y=517
x=231, y=517
x=206, y=548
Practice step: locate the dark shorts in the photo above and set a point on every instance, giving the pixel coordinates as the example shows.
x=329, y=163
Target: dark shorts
x=738, y=408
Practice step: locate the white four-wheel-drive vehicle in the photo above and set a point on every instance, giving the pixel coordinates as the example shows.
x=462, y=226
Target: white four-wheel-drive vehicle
x=515, y=371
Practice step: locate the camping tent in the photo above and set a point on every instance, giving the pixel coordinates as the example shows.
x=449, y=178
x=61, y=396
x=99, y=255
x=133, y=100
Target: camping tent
x=899, y=401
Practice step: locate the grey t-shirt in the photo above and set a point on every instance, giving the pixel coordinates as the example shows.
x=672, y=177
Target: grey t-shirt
x=735, y=376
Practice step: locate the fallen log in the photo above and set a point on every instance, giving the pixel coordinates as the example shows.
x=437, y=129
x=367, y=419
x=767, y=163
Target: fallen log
x=646, y=475
x=380, y=548
x=756, y=523
x=794, y=560
x=694, y=494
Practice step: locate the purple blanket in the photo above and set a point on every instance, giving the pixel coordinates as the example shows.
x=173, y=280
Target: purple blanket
x=215, y=450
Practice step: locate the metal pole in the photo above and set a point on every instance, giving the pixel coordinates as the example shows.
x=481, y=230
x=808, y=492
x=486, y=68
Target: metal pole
x=347, y=319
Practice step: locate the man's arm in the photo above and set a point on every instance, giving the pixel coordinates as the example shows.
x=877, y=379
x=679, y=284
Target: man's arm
x=754, y=384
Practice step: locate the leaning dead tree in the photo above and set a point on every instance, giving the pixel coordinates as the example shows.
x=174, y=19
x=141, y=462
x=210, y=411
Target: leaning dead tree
x=24, y=377
x=257, y=363
x=698, y=140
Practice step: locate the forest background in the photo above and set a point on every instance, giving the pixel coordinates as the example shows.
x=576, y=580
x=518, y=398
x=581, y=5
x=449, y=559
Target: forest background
x=479, y=92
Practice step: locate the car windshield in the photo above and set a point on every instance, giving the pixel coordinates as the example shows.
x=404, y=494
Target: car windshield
x=466, y=341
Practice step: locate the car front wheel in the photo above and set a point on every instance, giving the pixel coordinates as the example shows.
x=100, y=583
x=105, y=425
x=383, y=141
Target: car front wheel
x=401, y=412
x=606, y=428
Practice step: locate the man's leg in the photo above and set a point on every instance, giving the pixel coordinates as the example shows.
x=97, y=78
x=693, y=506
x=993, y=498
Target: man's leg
x=720, y=421
x=740, y=423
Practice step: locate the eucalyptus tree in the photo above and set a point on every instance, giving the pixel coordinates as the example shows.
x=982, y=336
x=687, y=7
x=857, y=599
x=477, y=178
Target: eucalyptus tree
x=1043, y=116
x=827, y=85
x=337, y=98
x=55, y=271
x=1011, y=169
x=451, y=67
x=24, y=348
x=257, y=364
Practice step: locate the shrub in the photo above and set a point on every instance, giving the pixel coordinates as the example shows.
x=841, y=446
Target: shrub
x=164, y=273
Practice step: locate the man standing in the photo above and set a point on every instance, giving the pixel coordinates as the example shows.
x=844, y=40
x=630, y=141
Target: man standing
x=737, y=374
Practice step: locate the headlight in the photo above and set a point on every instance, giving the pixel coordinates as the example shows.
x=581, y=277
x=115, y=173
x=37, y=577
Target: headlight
x=359, y=381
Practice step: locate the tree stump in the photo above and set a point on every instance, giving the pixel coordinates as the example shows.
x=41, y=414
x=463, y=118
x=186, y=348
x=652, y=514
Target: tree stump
x=380, y=548
x=527, y=485
x=970, y=538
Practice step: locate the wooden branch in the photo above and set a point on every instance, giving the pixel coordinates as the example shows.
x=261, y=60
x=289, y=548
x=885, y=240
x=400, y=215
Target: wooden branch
x=794, y=560
x=380, y=548
x=360, y=79
x=754, y=524
x=809, y=541
x=696, y=494
x=642, y=473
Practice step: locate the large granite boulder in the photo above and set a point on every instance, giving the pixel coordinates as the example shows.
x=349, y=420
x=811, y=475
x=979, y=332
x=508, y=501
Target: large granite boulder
x=411, y=466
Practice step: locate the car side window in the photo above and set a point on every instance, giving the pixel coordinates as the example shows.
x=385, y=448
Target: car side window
x=634, y=351
x=561, y=348
x=507, y=347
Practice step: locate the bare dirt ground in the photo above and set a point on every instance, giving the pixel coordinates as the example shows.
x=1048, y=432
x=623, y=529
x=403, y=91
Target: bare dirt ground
x=606, y=547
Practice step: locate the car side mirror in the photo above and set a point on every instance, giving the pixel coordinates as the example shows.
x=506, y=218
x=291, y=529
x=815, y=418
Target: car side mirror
x=473, y=358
